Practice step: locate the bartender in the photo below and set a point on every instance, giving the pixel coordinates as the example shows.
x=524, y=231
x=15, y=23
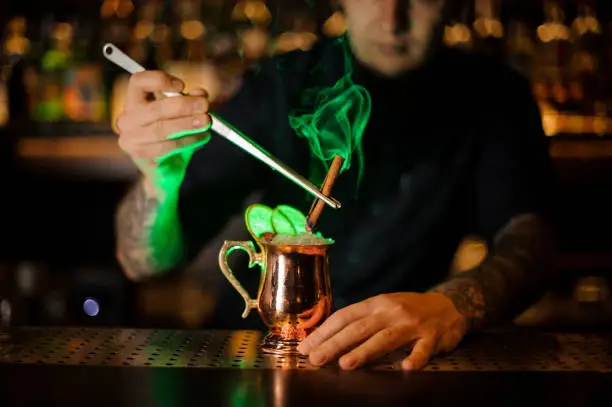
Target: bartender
x=453, y=146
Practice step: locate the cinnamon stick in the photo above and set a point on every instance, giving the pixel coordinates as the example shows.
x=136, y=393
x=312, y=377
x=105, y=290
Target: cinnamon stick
x=328, y=183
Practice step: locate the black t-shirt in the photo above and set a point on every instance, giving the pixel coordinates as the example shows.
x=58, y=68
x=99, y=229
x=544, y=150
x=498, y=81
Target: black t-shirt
x=453, y=148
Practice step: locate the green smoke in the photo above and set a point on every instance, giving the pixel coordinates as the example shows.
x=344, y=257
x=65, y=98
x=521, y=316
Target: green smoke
x=336, y=118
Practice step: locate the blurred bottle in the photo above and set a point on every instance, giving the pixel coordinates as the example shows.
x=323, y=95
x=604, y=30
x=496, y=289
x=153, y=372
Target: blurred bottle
x=116, y=22
x=16, y=47
x=116, y=25
x=520, y=47
x=254, y=44
x=4, y=98
x=83, y=95
x=140, y=47
x=585, y=64
x=488, y=27
x=32, y=280
x=190, y=31
x=592, y=289
x=189, y=38
x=56, y=57
x=606, y=21
x=6, y=305
x=5, y=318
x=552, y=61
x=457, y=33
x=162, y=35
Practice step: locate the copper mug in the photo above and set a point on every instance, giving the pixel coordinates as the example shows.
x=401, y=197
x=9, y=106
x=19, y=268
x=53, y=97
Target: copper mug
x=294, y=295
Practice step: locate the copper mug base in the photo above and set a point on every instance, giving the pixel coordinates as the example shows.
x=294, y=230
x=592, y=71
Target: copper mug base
x=274, y=344
x=294, y=295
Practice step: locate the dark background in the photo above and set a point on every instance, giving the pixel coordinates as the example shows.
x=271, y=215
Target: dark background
x=56, y=209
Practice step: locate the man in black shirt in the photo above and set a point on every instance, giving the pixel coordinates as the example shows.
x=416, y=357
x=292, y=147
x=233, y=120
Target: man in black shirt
x=454, y=146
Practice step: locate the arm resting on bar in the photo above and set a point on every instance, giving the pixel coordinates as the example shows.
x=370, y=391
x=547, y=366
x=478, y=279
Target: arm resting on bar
x=513, y=275
x=514, y=203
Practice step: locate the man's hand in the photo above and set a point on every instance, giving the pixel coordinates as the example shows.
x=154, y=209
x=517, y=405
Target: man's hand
x=150, y=129
x=372, y=328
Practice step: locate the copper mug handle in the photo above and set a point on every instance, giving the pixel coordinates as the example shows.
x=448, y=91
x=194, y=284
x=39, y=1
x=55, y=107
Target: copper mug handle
x=254, y=259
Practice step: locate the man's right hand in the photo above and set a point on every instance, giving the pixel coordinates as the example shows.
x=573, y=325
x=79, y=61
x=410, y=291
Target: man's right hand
x=146, y=123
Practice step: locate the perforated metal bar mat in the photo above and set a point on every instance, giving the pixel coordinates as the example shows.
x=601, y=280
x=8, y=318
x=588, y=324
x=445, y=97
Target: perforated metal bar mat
x=510, y=351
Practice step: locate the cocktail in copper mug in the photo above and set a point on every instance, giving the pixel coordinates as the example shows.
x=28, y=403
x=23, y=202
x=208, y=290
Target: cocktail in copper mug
x=294, y=295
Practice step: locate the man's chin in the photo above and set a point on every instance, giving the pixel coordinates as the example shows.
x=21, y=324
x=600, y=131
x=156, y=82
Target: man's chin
x=392, y=68
x=392, y=51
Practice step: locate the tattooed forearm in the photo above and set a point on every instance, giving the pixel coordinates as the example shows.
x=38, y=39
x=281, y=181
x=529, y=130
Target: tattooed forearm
x=522, y=258
x=467, y=296
x=137, y=216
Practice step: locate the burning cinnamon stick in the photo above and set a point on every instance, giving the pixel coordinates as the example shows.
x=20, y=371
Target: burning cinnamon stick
x=328, y=183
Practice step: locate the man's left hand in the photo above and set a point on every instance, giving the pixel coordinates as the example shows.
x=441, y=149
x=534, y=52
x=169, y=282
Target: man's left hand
x=372, y=328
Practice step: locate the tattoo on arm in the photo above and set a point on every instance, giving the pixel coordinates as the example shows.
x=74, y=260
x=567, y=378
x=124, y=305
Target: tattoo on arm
x=134, y=222
x=519, y=263
x=467, y=296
